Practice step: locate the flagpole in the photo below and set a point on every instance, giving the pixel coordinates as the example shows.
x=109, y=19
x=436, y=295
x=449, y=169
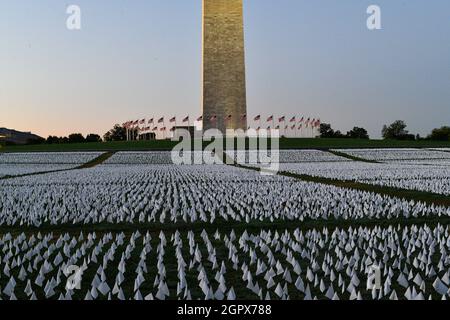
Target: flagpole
x=173, y=132
x=164, y=129
x=273, y=123
x=153, y=124
x=296, y=129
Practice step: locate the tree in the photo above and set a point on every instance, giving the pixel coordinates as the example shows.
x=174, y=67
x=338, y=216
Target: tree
x=440, y=134
x=358, y=133
x=35, y=141
x=118, y=133
x=326, y=131
x=397, y=131
x=53, y=140
x=338, y=134
x=76, y=138
x=93, y=138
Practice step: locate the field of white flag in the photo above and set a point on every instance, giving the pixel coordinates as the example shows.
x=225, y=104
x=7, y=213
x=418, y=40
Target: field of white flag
x=15, y=164
x=414, y=169
x=138, y=227
x=313, y=264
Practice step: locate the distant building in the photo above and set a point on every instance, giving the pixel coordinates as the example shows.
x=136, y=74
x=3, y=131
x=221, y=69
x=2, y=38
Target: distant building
x=17, y=137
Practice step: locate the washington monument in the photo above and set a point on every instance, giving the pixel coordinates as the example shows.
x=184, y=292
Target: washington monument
x=224, y=91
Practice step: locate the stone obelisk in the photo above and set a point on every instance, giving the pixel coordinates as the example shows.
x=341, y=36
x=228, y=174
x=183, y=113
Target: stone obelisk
x=223, y=74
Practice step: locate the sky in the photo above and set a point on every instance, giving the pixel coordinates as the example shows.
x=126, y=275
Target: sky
x=142, y=58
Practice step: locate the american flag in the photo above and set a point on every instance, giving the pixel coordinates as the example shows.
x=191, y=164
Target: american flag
x=186, y=119
x=257, y=118
x=229, y=117
x=282, y=119
x=200, y=118
x=161, y=120
x=162, y=129
x=173, y=119
x=270, y=119
x=142, y=121
x=244, y=116
x=155, y=129
x=151, y=120
x=213, y=118
x=293, y=119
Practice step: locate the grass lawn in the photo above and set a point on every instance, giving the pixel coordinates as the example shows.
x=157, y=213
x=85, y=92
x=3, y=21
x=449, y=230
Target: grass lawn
x=358, y=143
x=285, y=143
x=96, y=146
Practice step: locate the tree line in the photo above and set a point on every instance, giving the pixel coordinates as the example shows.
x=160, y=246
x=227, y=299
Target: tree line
x=395, y=131
x=118, y=133
x=73, y=138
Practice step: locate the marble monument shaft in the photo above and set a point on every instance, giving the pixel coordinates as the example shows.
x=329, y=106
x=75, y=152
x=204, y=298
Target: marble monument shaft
x=224, y=90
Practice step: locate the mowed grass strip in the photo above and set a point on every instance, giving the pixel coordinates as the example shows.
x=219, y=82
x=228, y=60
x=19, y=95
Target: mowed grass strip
x=422, y=196
x=95, y=162
x=225, y=226
x=33, y=174
x=285, y=143
x=348, y=156
x=414, y=195
x=339, y=143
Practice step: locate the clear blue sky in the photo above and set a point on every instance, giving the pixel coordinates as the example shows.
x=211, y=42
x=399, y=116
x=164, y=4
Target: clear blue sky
x=142, y=58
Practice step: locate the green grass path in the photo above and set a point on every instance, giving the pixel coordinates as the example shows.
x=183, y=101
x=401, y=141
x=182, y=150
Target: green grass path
x=285, y=143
